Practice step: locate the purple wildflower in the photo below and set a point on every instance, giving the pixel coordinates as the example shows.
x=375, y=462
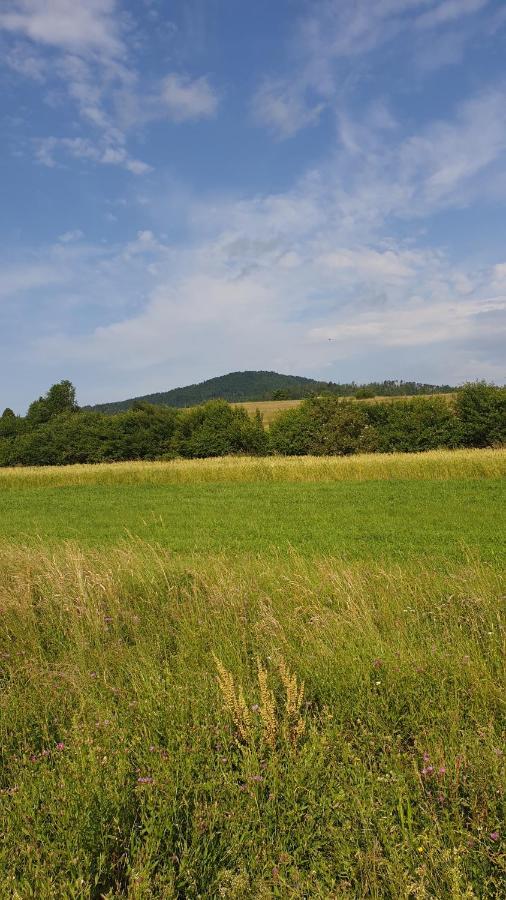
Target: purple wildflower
x=494, y=836
x=428, y=770
x=145, y=779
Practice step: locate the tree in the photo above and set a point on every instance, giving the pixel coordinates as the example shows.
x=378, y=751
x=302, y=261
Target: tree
x=481, y=410
x=60, y=398
x=8, y=413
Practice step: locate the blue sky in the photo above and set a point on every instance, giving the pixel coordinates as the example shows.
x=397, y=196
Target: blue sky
x=201, y=186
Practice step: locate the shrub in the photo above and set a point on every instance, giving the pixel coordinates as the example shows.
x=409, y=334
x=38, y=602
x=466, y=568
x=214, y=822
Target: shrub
x=481, y=410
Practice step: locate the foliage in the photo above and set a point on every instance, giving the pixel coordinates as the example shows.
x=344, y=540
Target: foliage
x=217, y=429
x=60, y=398
x=56, y=432
x=238, y=387
x=481, y=410
x=423, y=423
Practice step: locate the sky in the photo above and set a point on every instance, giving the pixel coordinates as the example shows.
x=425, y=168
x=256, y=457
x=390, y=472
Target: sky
x=192, y=187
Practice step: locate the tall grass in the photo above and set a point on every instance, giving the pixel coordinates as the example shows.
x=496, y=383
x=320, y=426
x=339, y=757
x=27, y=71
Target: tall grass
x=289, y=728
x=433, y=464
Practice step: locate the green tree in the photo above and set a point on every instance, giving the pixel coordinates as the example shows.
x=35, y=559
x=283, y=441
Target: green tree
x=60, y=398
x=481, y=411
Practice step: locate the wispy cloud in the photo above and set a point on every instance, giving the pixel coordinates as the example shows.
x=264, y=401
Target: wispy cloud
x=187, y=99
x=283, y=108
x=449, y=11
x=91, y=26
x=84, y=50
x=47, y=150
x=322, y=60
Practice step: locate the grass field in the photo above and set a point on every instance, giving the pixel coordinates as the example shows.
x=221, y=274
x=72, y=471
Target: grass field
x=254, y=679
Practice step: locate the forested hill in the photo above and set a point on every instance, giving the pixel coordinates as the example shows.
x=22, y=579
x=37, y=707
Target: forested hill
x=239, y=387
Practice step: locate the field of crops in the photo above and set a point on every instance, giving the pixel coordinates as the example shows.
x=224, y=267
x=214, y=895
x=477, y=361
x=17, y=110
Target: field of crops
x=252, y=678
x=272, y=408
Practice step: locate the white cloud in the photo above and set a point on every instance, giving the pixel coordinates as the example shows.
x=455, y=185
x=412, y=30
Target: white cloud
x=47, y=149
x=367, y=263
x=449, y=11
x=91, y=25
x=69, y=237
x=284, y=109
x=187, y=99
x=322, y=60
x=24, y=61
x=28, y=276
x=79, y=52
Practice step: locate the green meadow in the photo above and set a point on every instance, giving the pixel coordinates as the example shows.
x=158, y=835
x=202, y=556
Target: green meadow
x=366, y=520
x=254, y=679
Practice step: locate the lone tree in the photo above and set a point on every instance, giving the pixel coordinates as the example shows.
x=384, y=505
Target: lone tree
x=60, y=398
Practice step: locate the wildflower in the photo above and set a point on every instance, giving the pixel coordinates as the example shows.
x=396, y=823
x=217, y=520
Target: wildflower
x=426, y=757
x=441, y=770
x=255, y=707
x=145, y=779
x=107, y=619
x=378, y=663
x=494, y=836
x=428, y=770
x=257, y=778
x=60, y=745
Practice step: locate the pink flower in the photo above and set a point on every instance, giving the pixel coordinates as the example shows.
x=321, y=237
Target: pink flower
x=441, y=770
x=60, y=745
x=428, y=770
x=494, y=836
x=145, y=779
x=378, y=663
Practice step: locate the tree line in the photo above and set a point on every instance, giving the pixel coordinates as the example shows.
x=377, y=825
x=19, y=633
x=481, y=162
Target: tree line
x=56, y=432
x=241, y=387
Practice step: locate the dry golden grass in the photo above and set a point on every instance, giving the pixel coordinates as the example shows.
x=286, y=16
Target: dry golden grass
x=433, y=464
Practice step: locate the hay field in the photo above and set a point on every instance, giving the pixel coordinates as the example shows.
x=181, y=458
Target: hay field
x=272, y=408
x=292, y=686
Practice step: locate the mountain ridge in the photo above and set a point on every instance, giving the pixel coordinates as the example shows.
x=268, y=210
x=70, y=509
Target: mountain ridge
x=257, y=385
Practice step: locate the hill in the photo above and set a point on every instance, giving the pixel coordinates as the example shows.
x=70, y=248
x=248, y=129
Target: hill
x=253, y=386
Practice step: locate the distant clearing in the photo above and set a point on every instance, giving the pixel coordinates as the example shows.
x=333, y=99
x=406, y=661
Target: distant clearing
x=272, y=408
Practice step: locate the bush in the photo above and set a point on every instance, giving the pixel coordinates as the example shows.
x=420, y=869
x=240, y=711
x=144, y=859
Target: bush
x=481, y=409
x=423, y=423
x=217, y=429
x=56, y=432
